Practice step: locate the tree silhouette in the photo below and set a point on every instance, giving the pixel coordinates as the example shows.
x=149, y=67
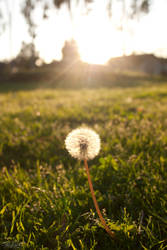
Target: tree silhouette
x=27, y=56
x=70, y=52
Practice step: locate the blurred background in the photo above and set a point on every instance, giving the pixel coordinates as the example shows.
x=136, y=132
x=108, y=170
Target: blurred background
x=65, y=36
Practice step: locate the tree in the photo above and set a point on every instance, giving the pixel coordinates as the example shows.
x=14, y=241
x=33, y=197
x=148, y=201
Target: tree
x=58, y=3
x=27, y=10
x=142, y=5
x=70, y=52
x=27, y=56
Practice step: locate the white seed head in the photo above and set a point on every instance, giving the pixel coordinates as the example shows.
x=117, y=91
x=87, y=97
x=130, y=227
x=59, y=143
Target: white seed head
x=83, y=143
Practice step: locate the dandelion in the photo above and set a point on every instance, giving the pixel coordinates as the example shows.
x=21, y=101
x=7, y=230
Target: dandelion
x=84, y=144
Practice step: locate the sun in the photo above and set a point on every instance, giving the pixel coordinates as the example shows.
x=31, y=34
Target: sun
x=97, y=40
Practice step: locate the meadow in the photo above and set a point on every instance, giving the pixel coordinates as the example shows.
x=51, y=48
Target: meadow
x=45, y=202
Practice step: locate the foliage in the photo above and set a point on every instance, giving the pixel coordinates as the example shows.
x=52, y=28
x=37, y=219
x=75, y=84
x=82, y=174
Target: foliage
x=70, y=52
x=27, y=11
x=26, y=58
x=44, y=195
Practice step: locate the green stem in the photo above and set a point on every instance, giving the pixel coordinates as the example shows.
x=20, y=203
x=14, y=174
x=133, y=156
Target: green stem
x=95, y=202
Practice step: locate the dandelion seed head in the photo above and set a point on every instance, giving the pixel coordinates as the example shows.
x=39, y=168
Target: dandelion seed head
x=83, y=143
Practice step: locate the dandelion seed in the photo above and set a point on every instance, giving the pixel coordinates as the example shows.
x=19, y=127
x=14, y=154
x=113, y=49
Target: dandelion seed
x=83, y=143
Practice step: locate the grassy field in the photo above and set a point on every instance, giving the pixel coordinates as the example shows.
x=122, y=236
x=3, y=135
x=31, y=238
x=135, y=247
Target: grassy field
x=45, y=202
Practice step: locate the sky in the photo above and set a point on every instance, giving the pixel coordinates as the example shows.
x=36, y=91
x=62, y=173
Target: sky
x=97, y=36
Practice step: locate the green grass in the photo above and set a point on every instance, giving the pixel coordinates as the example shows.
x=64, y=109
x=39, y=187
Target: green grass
x=45, y=202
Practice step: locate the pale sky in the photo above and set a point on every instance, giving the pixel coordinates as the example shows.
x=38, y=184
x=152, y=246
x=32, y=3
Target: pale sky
x=96, y=34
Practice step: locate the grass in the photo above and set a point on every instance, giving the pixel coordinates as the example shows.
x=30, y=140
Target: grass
x=45, y=202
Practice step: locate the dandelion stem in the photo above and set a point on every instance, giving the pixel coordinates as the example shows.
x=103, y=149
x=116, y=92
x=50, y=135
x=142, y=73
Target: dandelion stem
x=95, y=201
